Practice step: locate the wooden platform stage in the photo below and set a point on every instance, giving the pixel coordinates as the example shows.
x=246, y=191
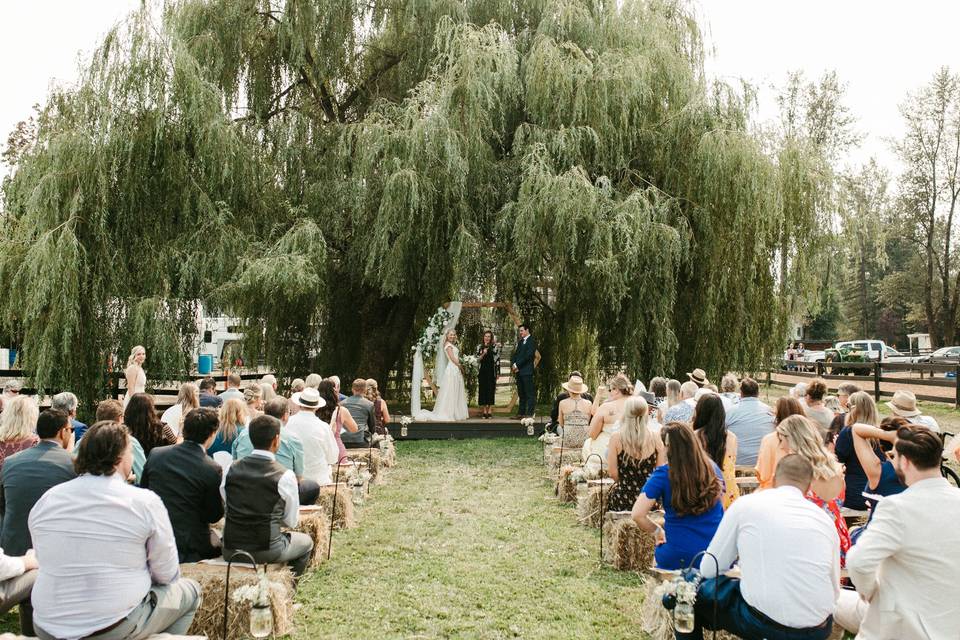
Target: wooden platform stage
x=473, y=428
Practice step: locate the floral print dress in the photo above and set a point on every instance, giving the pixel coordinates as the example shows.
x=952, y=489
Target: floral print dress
x=633, y=475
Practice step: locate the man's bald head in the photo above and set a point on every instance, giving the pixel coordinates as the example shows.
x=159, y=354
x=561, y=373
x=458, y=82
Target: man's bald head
x=793, y=470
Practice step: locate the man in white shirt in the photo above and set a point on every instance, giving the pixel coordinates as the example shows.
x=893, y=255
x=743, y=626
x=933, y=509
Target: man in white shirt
x=107, y=554
x=17, y=575
x=789, y=556
x=319, y=446
x=905, y=564
x=261, y=498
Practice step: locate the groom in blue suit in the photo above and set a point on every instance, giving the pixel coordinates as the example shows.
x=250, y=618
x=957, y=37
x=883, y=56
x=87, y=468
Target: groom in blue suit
x=523, y=365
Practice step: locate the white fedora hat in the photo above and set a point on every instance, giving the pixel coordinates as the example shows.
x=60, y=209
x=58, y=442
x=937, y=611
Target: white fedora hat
x=309, y=398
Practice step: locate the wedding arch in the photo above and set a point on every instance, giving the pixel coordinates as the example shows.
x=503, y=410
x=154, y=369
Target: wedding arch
x=445, y=318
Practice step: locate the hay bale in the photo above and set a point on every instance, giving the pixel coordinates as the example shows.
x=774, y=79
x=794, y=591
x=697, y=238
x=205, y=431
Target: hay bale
x=560, y=456
x=389, y=454
x=627, y=547
x=212, y=579
x=566, y=489
x=342, y=516
x=346, y=471
x=316, y=524
x=373, y=459
x=591, y=508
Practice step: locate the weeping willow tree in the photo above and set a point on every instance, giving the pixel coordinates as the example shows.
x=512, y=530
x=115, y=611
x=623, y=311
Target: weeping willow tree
x=331, y=170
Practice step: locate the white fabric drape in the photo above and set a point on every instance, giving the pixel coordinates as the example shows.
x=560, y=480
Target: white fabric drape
x=441, y=362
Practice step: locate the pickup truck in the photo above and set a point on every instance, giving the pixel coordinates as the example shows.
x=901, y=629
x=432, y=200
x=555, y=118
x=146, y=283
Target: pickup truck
x=873, y=350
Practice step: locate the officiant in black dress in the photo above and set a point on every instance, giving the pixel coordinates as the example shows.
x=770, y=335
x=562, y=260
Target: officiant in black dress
x=488, y=354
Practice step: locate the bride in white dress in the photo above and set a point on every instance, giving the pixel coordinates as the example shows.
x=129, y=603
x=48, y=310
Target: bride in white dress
x=451, y=405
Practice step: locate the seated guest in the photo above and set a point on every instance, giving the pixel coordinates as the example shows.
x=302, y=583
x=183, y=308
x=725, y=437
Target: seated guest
x=606, y=419
x=232, y=388
x=337, y=417
x=815, y=409
x=11, y=389
x=381, y=413
x=799, y=435
x=770, y=451
x=336, y=386
x=750, y=420
x=188, y=399
x=233, y=418
x=18, y=424
x=789, y=564
x=289, y=454
x=262, y=497
x=208, y=393
x=17, y=577
x=142, y=420
x=112, y=411
x=575, y=412
x=905, y=564
x=108, y=558
x=881, y=477
x=634, y=452
x=29, y=474
x=860, y=409
x=67, y=402
x=555, y=411
x=683, y=410
x=709, y=423
x=729, y=389
x=658, y=387
x=904, y=404
x=362, y=411
x=844, y=391
x=319, y=446
x=690, y=487
x=188, y=482
x=253, y=396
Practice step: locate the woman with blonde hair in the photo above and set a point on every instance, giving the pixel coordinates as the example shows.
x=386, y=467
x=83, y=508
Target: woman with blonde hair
x=862, y=409
x=233, y=417
x=770, y=453
x=188, y=399
x=18, y=426
x=798, y=434
x=134, y=373
x=253, y=396
x=606, y=418
x=634, y=452
x=381, y=415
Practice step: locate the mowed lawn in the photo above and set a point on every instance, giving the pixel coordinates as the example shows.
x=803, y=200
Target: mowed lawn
x=462, y=540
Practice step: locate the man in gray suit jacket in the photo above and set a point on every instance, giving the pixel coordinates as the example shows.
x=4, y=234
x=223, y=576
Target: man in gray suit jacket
x=28, y=475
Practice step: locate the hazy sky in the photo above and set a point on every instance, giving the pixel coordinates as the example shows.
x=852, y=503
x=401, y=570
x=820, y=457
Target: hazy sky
x=881, y=49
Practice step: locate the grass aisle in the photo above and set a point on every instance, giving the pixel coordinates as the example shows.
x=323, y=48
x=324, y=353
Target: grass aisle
x=462, y=541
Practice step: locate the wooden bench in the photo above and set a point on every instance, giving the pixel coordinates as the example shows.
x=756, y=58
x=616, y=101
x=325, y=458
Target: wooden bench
x=747, y=485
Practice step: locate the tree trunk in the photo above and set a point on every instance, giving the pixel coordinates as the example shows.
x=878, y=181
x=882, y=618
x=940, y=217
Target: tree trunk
x=366, y=334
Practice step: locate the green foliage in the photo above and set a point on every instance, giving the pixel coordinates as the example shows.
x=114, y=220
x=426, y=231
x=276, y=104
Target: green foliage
x=330, y=172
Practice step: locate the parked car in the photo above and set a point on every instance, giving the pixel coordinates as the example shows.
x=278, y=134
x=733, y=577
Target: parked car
x=945, y=355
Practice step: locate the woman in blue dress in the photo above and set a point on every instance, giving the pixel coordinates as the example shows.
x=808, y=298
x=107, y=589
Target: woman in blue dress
x=882, y=478
x=690, y=487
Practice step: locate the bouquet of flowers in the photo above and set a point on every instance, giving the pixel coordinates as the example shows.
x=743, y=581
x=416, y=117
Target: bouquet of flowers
x=471, y=371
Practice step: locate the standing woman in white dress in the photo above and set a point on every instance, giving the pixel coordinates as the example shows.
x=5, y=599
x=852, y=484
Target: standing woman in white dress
x=451, y=405
x=136, y=377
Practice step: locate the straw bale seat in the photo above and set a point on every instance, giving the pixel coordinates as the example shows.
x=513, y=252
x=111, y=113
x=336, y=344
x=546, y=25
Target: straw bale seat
x=565, y=488
x=626, y=546
x=211, y=575
x=372, y=457
x=342, y=516
x=592, y=506
x=315, y=523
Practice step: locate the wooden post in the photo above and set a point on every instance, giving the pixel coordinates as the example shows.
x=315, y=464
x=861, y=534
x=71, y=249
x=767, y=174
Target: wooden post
x=819, y=367
x=956, y=385
x=876, y=381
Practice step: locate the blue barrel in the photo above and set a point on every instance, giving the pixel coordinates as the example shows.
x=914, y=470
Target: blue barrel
x=204, y=364
x=13, y=358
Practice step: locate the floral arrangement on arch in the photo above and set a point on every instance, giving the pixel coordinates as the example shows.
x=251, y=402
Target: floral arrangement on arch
x=430, y=337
